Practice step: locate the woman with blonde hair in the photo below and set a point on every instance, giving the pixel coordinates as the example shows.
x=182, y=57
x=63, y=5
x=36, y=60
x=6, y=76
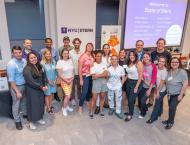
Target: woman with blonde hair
x=48, y=65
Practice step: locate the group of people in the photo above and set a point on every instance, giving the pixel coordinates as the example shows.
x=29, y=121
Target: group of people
x=95, y=77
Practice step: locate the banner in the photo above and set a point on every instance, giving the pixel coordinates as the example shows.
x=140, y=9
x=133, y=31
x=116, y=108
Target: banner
x=111, y=34
x=76, y=18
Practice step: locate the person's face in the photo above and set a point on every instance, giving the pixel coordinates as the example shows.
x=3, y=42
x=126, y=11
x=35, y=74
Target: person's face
x=48, y=55
x=132, y=57
x=17, y=54
x=174, y=64
x=122, y=54
x=114, y=60
x=146, y=58
x=89, y=48
x=65, y=55
x=160, y=45
x=33, y=59
x=98, y=57
x=48, y=43
x=106, y=49
x=27, y=44
x=66, y=43
x=139, y=46
x=77, y=44
x=161, y=63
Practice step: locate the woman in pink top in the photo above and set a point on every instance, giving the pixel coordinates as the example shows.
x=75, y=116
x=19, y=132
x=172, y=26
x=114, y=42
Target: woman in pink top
x=85, y=62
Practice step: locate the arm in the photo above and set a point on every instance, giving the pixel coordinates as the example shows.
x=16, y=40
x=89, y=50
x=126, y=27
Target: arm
x=102, y=75
x=140, y=75
x=80, y=62
x=183, y=89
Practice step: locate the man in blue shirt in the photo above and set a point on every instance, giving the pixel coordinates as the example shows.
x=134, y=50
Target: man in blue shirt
x=139, y=49
x=17, y=84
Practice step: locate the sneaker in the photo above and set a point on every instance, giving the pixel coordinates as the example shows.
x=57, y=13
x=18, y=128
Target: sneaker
x=91, y=115
x=18, y=125
x=69, y=109
x=128, y=118
x=165, y=122
x=73, y=102
x=111, y=111
x=64, y=112
x=119, y=115
x=97, y=110
x=102, y=114
x=149, y=121
x=41, y=121
x=140, y=117
x=32, y=126
x=169, y=126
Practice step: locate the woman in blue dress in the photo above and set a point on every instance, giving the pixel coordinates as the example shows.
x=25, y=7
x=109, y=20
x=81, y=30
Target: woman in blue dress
x=49, y=67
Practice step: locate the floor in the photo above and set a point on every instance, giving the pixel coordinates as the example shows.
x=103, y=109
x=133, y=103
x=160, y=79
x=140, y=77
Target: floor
x=80, y=130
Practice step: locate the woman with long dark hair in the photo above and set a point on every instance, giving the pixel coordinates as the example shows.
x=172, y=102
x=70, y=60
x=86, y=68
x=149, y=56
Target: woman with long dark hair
x=35, y=85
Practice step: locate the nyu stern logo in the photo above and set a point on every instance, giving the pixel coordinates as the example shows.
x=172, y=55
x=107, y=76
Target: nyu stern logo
x=65, y=30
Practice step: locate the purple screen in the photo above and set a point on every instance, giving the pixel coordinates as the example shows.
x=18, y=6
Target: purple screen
x=149, y=20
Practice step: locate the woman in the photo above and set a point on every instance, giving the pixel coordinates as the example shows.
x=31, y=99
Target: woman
x=149, y=80
x=99, y=87
x=35, y=85
x=85, y=62
x=116, y=78
x=48, y=65
x=65, y=71
x=160, y=90
x=134, y=69
x=176, y=83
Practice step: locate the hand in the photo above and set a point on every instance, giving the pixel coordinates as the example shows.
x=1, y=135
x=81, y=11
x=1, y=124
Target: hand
x=18, y=95
x=157, y=94
x=148, y=92
x=95, y=76
x=135, y=90
x=180, y=97
x=81, y=82
x=52, y=83
x=44, y=88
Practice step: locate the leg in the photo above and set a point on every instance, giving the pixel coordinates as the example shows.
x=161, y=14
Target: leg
x=173, y=102
x=93, y=101
x=23, y=100
x=143, y=99
x=102, y=97
x=118, y=99
x=111, y=99
x=77, y=82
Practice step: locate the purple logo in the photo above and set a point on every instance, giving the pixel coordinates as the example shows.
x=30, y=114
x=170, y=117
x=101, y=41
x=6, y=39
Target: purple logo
x=63, y=29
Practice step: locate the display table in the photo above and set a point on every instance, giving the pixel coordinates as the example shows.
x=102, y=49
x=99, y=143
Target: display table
x=5, y=104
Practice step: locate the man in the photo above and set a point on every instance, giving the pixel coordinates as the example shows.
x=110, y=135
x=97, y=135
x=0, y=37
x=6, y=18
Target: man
x=27, y=44
x=66, y=44
x=75, y=54
x=17, y=85
x=160, y=51
x=48, y=45
x=139, y=49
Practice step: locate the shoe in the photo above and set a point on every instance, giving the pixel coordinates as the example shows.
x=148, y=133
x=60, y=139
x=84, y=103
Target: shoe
x=32, y=126
x=73, y=102
x=106, y=105
x=97, y=110
x=57, y=98
x=65, y=112
x=141, y=116
x=169, y=126
x=102, y=114
x=126, y=113
x=111, y=111
x=128, y=118
x=149, y=121
x=18, y=125
x=25, y=116
x=41, y=121
x=165, y=122
x=119, y=115
x=149, y=105
x=69, y=109
x=91, y=115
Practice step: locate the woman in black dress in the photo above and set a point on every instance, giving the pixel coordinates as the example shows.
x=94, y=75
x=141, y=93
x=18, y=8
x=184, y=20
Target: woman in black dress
x=35, y=85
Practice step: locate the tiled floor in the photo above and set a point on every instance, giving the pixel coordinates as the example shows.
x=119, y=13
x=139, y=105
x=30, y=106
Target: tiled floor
x=80, y=130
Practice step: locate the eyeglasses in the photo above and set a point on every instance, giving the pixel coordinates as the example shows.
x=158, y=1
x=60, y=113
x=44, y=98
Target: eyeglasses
x=175, y=62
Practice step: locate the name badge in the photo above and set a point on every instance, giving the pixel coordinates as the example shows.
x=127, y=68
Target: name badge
x=170, y=78
x=124, y=66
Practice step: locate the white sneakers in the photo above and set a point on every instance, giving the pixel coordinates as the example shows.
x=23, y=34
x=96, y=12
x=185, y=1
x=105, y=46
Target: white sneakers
x=67, y=109
x=32, y=126
x=41, y=121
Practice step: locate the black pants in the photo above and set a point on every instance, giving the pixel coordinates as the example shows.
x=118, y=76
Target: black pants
x=131, y=96
x=173, y=102
x=158, y=107
x=143, y=98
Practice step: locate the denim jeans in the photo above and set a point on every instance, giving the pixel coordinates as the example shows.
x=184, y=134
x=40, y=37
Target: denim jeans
x=131, y=96
x=86, y=90
x=158, y=107
x=18, y=105
x=118, y=99
x=173, y=102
